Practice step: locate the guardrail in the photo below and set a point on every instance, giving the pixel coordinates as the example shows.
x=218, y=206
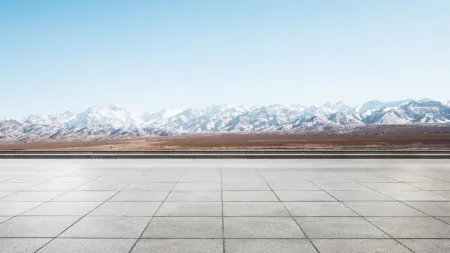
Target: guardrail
x=232, y=154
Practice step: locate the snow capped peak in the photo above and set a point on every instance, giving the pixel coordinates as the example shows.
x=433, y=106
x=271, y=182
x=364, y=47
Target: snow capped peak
x=111, y=121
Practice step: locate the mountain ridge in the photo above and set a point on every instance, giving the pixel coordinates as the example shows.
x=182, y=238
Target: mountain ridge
x=113, y=122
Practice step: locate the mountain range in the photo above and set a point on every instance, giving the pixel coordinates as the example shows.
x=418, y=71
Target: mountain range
x=112, y=122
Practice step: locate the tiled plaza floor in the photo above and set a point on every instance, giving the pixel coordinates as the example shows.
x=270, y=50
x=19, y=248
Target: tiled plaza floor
x=227, y=206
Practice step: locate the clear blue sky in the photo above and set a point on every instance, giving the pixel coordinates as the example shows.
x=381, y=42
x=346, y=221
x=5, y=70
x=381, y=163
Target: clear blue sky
x=147, y=55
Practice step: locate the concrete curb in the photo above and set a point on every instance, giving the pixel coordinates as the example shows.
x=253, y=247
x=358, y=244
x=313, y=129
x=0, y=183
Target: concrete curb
x=299, y=154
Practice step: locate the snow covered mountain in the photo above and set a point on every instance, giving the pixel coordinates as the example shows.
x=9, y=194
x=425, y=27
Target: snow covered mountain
x=112, y=122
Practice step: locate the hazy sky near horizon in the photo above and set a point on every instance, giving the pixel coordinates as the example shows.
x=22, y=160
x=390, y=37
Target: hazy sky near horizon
x=148, y=55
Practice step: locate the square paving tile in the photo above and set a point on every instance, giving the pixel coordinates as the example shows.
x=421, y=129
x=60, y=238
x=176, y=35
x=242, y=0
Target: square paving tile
x=261, y=227
x=86, y=196
x=126, y=209
x=339, y=227
x=16, y=208
x=179, y=246
x=102, y=186
x=359, y=246
x=62, y=245
x=32, y=196
x=432, y=208
x=21, y=245
x=107, y=227
x=140, y=196
x=383, y=187
x=318, y=209
x=198, y=187
x=405, y=177
x=195, y=196
x=293, y=186
x=338, y=186
x=184, y=227
x=150, y=187
x=56, y=187
x=427, y=245
x=36, y=226
x=435, y=186
x=416, y=196
x=190, y=209
x=12, y=187
x=268, y=246
x=245, y=186
x=445, y=219
x=249, y=196
x=3, y=218
x=63, y=208
x=412, y=227
x=383, y=209
x=304, y=196
x=3, y=194
x=254, y=209
x=360, y=196
x=443, y=193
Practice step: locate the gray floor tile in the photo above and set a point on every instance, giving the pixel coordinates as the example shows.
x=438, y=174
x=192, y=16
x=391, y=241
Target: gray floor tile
x=261, y=227
x=3, y=194
x=337, y=186
x=32, y=196
x=198, y=187
x=21, y=245
x=359, y=246
x=339, y=227
x=201, y=178
x=184, y=227
x=383, y=187
x=366, y=177
x=249, y=196
x=293, y=186
x=412, y=227
x=102, y=186
x=435, y=186
x=63, y=208
x=432, y=208
x=108, y=227
x=268, y=246
x=360, y=196
x=318, y=209
x=195, y=196
x=126, y=209
x=140, y=196
x=179, y=246
x=304, y=196
x=56, y=187
x=406, y=177
x=36, y=226
x=445, y=219
x=245, y=186
x=254, y=209
x=86, y=196
x=71, y=179
x=325, y=177
x=427, y=245
x=150, y=187
x=383, y=209
x=12, y=187
x=16, y=208
x=190, y=209
x=3, y=218
x=62, y=245
x=415, y=196
x=443, y=193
